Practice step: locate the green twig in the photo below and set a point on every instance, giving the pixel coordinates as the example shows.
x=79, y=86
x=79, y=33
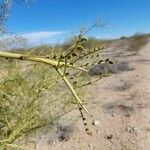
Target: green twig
x=37, y=59
x=71, y=89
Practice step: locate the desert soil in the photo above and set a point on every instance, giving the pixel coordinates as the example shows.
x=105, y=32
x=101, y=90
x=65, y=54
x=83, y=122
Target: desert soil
x=120, y=108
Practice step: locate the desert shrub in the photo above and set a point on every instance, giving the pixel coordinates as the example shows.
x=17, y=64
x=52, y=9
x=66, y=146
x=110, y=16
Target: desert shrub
x=123, y=37
x=137, y=42
x=119, y=108
x=106, y=68
x=63, y=131
x=120, y=67
x=99, y=69
x=29, y=100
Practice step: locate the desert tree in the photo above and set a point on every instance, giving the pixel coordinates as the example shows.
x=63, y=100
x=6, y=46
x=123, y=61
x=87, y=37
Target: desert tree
x=4, y=10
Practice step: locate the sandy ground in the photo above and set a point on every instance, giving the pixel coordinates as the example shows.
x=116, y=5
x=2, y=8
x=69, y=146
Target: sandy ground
x=120, y=104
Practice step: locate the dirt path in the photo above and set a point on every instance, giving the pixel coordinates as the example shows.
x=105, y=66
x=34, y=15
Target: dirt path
x=143, y=69
x=125, y=106
x=121, y=105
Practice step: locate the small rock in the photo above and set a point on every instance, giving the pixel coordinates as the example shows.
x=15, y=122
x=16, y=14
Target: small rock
x=127, y=129
x=98, y=132
x=109, y=137
x=132, y=141
x=132, y=130
x=135, y=130
x=53, y=142
x=96, y=122
x=90, y=145
x=117, y=135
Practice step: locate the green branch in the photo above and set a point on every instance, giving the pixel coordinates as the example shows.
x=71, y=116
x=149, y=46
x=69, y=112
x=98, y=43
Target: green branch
x=50, y=62
x=38, y=59
x=74, y=93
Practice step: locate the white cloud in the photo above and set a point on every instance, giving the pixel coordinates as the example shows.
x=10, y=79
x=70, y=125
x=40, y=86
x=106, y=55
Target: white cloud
x=106, y=36
x=36, y=37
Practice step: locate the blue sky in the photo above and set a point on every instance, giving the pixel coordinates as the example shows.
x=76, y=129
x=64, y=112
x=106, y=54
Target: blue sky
x=50, y=21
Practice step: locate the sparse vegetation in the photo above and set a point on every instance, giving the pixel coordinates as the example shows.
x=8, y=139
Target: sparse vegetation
x=137, y=42
x=107, y=68
x=28, y=100
x=29, y=91
x=30, y=88
x=40, y=85
x=119, y=108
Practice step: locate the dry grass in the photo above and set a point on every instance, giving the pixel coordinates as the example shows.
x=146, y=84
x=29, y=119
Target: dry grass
x=29, y=100
x=137, y=41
